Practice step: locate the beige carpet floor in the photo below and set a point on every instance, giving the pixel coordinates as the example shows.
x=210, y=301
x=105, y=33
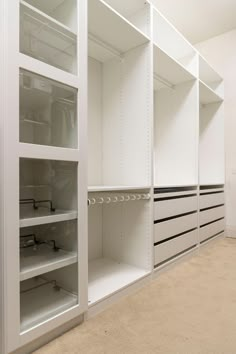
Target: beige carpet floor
x=189, y=309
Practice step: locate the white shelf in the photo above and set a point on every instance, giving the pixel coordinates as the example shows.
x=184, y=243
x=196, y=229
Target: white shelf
x=207, y=73
x=168, y=69
x=108, y=29
x=48, y=20
x=116, y=188
x=34, y=151
x=42, y=304
x=43, y=260
x=107, y=277
x=45, y=216
x=43, y=69
x=207, y=95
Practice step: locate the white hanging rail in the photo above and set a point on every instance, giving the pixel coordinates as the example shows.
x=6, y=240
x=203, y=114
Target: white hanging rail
x=118, y=198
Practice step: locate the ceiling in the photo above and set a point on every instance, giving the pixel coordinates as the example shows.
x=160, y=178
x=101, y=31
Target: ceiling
x=199, y=20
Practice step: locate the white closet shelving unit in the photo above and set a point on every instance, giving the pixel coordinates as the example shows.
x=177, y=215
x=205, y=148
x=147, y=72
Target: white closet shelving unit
x=152, y=142
x=45, y=167
x=119, y=157
x=175, y=65
x=211, y=153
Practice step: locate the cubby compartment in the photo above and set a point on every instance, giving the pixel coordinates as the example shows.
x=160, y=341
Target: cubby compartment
x=210, y=79
x=170, y=41
x=63, y=11
x=211, y=144
x=48, y=191
x=119, y=241
x=175, y=123
x=48, y=247
x=42, y=298
x=46, y=40
x=136, y=12
x=48, y=112
x=119, y=104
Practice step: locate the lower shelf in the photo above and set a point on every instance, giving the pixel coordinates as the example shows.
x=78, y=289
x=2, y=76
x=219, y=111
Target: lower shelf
x=107, y=277
x=43, y=303
x=45, y=216
x=43, y=260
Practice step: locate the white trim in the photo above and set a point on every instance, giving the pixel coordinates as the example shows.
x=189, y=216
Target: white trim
x=34, y=151
x=49, y=71
x=230, y=231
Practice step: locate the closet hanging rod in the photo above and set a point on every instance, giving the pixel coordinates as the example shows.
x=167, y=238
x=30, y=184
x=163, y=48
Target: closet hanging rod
x=163, y=81
x=117, y=198
x=104, y=45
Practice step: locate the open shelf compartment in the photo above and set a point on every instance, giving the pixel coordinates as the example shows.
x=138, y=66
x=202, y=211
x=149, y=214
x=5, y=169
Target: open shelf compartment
x=175, y=123
x=207, y=94
x=110, y=34
x=168, y=39
x=48, y=247
x=211, y=78
x=46, y=40
x=135, y=11
x=211, y=144
x=119, y=115
x=119, y=243
x=48, y=112
x=48, y=191
x=45, y=297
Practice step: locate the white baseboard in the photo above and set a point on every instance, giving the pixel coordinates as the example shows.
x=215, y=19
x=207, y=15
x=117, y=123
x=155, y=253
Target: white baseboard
x=230, y=231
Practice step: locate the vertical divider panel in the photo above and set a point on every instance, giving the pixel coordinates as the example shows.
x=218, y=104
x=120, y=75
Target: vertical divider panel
x=2, y=159
x=11, y=173
x=82, y=173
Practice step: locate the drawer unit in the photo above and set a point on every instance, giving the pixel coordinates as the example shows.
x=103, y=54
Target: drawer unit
x=169, y=228
x=210, y=200
x=169, y=249
x=172, y=207
x=210, y=215
x=210, y=230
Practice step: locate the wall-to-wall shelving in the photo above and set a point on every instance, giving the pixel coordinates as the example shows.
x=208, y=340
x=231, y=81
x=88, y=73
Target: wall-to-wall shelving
x=152, y=140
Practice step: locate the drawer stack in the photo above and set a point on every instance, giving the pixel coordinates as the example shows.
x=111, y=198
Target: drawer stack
x=175, y=222
x=212, y=212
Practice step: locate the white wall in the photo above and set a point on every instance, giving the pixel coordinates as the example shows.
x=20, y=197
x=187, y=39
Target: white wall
x=220, y=51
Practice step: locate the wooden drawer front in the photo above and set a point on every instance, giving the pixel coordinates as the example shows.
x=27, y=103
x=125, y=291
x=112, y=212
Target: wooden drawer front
x=166, y=208
x=177, y=245
x=174, y=227
x=211, y=215
x=209, y=200
x=211, y=230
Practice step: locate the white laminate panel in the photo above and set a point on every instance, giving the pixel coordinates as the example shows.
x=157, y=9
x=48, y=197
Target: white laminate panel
x=166, y=208
x=175, y=246
x=174, y=227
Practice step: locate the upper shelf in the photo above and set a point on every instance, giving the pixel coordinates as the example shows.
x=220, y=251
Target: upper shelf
x=207, y=95
x=210, y=77
x=110, y=34
x=168, y=71
x=166, y=37
x=135, y=11
x=61, y=11
x=116, y=188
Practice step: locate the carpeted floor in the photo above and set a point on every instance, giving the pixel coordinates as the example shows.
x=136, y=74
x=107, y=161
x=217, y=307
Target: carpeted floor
x=189, y=309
